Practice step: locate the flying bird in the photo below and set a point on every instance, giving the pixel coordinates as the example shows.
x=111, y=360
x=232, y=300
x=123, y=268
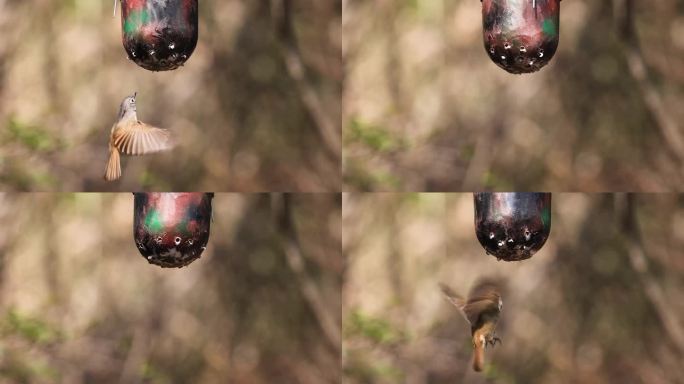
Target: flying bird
x=130, y=136
x=482, y=310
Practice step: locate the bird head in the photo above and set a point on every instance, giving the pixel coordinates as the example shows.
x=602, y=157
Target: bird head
x=128, y=106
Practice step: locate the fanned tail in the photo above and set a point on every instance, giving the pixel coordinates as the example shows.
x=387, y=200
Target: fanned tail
x=113, y=170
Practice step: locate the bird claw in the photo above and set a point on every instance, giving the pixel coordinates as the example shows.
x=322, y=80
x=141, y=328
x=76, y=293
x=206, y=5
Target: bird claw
x=493, y=341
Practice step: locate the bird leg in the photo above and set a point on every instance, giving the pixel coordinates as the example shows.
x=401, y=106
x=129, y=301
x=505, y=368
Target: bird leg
x=493, y=340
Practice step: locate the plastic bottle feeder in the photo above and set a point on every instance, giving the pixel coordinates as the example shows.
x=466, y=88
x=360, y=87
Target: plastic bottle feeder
x=521, y=36
x=159, y=35
x=512, y=226
x=171, y=230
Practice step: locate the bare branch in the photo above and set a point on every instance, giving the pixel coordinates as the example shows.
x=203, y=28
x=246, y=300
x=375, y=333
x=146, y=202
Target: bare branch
x=624, y=14
x=639, y=260
x=328, y=130
x=296, y=260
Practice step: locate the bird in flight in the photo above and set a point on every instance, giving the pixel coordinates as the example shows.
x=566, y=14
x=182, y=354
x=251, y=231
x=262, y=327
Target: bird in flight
x=130, y=136
x=482, y=310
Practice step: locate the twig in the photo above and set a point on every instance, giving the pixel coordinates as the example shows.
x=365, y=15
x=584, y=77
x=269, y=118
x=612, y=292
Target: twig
x=296, y=260
x=329, y=132
x=480, y=162
x=639, y=260
x=135, y=358
x=6, y=243
x=482, y=158
x=624, y=14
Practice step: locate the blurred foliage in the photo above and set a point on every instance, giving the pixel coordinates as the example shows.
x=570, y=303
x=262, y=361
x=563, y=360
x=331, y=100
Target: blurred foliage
x=375, y=138
x=32, y=329
x=238, y=115
x=78, y=303
x=374, y=329
x=579, y=311
x=426, y=108
x=33, y=138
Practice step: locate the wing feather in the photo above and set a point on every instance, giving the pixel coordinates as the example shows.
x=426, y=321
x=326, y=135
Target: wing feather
x=147, y=143
x=454, y=299
x=140, y=139
x=483, y=297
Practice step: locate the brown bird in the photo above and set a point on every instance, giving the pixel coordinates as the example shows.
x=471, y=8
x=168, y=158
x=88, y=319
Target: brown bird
x=482, y=310
x=130, y=136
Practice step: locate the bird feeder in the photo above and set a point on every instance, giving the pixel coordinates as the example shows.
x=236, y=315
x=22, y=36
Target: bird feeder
x=171, y=230
x=512, y=226
x=521, y=36
x=159, y=35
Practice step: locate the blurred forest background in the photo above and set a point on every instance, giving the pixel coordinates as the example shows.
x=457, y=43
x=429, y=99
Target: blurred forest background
x=426, y=110
x=248, y=117
x=601, y=302
x=78, y=303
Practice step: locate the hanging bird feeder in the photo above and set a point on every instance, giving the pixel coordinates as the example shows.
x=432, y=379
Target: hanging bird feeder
x=521, y=36
x=512, y=226
x=171, y=230
x=159, y=35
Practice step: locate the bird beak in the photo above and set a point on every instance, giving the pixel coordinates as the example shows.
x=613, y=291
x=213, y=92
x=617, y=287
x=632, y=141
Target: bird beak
x=135, y=94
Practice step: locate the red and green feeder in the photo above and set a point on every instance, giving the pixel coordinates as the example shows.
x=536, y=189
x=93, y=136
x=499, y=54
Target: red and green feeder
x=171, y=230
x=512, y=226
x=159, y=35
x=521, y=36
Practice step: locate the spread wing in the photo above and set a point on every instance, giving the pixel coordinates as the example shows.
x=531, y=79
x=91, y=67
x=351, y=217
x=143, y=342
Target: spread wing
x=139, y=138
x=453, y=298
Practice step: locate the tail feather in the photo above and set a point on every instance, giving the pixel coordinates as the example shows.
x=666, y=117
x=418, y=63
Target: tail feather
x=478, y=357
x=113, y=170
